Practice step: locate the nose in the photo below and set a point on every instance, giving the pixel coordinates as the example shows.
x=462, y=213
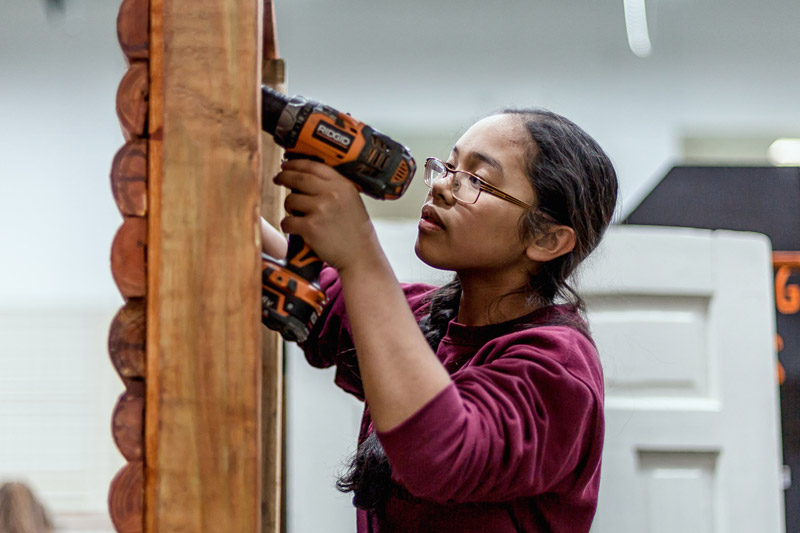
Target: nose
x=443, y=189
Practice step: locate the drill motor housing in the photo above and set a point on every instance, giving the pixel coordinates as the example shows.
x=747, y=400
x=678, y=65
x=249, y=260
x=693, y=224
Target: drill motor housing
x=379, y=166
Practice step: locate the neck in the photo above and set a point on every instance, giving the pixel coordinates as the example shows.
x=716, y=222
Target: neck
x=491, y=299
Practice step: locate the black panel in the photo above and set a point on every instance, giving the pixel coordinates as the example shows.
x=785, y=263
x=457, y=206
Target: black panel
x=762, y=199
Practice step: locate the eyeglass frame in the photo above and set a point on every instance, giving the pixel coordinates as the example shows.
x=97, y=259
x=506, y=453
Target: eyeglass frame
x=484, y=185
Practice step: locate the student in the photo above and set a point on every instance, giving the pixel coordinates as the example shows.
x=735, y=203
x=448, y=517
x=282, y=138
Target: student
x=484, y=398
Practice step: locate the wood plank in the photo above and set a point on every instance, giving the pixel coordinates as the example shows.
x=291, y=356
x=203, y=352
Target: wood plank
x=273, y=483
x=202, y=425
x=269, y=32
x=155, y=124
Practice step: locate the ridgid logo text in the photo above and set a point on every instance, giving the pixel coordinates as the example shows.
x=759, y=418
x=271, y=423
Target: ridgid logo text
x=334, y=137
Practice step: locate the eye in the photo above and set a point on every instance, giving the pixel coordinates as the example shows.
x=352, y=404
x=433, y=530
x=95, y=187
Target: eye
x=474, y=182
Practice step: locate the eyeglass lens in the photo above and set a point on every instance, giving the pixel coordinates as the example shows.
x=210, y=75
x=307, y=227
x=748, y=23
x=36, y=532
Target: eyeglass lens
x=465, y=188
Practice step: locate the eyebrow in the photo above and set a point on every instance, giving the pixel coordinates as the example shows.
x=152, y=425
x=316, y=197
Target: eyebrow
x=485, y=158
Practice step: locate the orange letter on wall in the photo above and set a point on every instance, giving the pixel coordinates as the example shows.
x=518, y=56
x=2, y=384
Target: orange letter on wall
x=787, y=296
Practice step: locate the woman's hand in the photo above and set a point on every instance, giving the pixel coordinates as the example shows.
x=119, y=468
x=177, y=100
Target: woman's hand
x=326, y=209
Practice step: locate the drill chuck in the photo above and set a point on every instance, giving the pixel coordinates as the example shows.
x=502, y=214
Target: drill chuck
x=272, y=105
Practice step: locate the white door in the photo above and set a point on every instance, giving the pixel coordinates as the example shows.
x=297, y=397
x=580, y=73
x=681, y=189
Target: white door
x=684, y=321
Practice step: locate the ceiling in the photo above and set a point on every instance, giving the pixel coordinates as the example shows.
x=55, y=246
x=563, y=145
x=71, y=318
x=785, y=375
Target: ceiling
x=718, y=68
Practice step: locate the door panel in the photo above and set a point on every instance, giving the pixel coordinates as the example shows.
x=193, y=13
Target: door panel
x=684, y=323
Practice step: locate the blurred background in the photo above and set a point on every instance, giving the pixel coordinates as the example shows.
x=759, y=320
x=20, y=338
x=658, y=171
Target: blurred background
x=682, y=81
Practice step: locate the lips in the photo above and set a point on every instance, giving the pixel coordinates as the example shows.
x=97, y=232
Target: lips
x=431, y=217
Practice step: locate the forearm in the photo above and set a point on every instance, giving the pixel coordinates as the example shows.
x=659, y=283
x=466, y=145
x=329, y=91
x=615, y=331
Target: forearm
x=399, y=371
x=273, y=243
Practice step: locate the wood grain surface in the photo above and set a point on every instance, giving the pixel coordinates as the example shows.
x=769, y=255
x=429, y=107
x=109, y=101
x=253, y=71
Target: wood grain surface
x=202, y=422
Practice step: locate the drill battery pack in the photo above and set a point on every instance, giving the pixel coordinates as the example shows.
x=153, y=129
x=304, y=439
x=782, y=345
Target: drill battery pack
x=290, y=304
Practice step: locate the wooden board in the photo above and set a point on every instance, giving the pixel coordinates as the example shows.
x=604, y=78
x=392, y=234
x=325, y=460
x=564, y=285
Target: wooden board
x=202, y=421
x=273, y=484
x=273, y=481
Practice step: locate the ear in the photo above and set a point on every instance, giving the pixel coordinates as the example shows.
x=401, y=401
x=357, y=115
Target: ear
x=553, y=242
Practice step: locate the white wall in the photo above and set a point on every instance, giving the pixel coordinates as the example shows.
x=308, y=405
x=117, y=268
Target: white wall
x=58, y=83
x=58, y=80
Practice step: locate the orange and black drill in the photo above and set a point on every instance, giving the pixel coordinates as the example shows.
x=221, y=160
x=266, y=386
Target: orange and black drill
x=379, y=166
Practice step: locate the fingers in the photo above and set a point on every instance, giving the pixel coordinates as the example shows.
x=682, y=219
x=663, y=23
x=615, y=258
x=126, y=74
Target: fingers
x=299, y=208
x=295, y=226
x=319, y=203
x=306, y=176
x=301, y=204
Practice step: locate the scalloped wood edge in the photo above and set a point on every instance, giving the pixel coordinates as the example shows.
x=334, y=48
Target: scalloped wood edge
x=129, y=178
x=133, y=31
x=132, y=97
x=126, y=498
x=128, y=265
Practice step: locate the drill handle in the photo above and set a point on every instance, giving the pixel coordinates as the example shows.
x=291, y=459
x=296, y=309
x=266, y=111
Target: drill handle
x=302, y=260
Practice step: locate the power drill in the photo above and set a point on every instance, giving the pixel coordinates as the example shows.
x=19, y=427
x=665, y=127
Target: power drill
x=379, y=166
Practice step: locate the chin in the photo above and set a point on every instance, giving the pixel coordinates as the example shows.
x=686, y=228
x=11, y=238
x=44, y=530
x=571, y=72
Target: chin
x=418, y=251
x=429, y=259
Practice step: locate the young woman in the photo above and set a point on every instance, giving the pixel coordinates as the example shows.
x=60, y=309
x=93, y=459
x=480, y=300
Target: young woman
x=484, y=398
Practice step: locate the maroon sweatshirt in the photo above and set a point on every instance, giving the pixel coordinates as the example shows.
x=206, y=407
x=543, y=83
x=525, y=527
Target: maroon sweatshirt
x=513, y=444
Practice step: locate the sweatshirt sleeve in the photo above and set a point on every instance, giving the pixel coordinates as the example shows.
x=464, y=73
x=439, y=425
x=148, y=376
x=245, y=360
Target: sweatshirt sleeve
x=330, y=341
x=518, y=426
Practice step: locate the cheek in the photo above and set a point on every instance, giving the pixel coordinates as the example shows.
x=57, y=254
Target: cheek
x=474, y=237
x=497, y=239
x=496, y=228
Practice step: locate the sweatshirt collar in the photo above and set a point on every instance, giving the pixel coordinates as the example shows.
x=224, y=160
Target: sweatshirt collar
x=478, y=335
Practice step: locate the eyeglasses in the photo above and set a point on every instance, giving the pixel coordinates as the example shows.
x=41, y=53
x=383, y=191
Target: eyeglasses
x=465, y=186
